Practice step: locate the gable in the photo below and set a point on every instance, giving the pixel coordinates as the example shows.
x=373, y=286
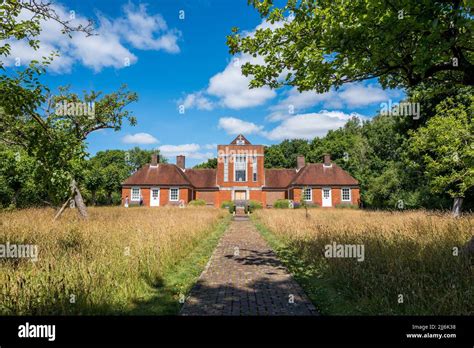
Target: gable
x=240, y=140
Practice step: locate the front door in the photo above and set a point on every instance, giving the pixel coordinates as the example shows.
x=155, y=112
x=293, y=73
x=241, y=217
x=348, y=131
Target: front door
x=154, y=197
x=327, y=202
x=240, y=195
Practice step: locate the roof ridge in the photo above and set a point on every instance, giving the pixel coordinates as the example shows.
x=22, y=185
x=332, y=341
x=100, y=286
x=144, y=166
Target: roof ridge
x=183, y=174
x=298, y=174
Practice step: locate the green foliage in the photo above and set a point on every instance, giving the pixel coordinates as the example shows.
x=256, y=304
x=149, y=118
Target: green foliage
x=253, y=205
x=211, y=163
x=446, y=147
x=281, y=204
x=228, y=205
x=284, y=155
x=330, y=43
x=197, y=202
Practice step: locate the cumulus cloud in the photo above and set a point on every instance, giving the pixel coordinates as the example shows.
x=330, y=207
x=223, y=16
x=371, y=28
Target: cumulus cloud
x=196, y=100
x=193, y=151
x=230, y=88
x=354, y=95
x=301, y=126
x=308, y=126
x=232, y=126
x=136, y=28
x=139, y=138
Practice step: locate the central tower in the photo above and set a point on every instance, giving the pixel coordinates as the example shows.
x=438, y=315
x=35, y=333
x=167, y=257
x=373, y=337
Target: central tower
x=240, y=170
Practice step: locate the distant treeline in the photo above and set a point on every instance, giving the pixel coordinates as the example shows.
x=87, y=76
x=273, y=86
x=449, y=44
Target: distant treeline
x=100, y=182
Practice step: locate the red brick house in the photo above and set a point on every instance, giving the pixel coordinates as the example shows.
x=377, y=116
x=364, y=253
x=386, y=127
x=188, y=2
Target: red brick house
x=240, y=176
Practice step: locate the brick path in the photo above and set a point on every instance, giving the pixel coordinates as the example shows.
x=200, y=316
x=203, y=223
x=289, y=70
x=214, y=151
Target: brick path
x=244, y=277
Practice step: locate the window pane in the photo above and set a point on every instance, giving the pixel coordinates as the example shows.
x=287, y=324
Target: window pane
x=174, y=194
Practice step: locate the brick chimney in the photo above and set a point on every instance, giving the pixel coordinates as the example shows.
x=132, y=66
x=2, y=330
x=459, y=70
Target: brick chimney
x=327, y=160
x=154, y=160
x=300, y=162
x=181, y=161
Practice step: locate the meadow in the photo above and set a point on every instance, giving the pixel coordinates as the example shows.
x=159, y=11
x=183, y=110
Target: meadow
x=120, y=261
x=414, y=263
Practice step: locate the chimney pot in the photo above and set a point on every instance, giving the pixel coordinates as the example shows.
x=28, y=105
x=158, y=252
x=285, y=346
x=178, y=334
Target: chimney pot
x=154, y=159
x=181, y=161
x=327, y=160
x=300, y=162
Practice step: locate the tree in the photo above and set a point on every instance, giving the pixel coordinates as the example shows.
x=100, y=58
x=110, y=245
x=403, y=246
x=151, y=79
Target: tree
x=211, y=163
x=21, y=21
x=446, y=148
x=17, y=185
x=316, y=45
x=136, y=157
x=57, y=139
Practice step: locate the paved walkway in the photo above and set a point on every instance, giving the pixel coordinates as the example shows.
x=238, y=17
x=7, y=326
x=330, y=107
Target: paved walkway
x=244, y=277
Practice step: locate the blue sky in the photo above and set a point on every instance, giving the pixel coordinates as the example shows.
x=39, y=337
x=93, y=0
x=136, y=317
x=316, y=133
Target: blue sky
x=183, y=64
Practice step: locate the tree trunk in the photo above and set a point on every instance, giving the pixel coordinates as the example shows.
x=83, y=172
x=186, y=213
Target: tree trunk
x=76, y=194
x=457, y=205
x=58, y=214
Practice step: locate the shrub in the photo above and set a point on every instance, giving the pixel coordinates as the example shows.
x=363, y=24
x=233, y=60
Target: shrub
x=346, y=206
x=253, y=205
x=197, y=202
x=228, y=205
x=281, y=204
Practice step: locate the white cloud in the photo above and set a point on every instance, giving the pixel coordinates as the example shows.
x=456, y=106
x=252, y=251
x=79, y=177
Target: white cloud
x=196, y=100
x=139, y=138
x=232, y=88
x=354, y=95
x=189, y=150
x=107, y=49
x=357, y=95
x=308, y=126
x=232, y=125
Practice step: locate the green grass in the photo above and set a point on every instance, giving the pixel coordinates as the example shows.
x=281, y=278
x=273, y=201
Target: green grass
x=177, y=281
x=433, y=281
x=320, y=290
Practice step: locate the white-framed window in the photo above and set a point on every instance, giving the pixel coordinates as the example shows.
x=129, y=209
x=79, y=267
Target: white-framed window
x=254, y=168
x=307, y=194
x=226, y=168
x=240, y=168
x=346, y=194
x=135, y=194
x=174, y=194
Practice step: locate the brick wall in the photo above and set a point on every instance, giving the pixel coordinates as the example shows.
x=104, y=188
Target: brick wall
x=258, y=196
x=318, y=196
x=272, y=196
x=223, y=196
x=335, y=196
x=208, y=196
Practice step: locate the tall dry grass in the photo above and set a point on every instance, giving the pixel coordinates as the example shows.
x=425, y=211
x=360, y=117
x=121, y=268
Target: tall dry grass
x=406, y=253
x=102, y=265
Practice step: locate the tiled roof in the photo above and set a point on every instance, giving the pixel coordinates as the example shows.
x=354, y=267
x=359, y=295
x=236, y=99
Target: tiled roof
x=202, y=178
x=279, y=178
x=163, y=174
x=310, y=174
x=318, y=174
